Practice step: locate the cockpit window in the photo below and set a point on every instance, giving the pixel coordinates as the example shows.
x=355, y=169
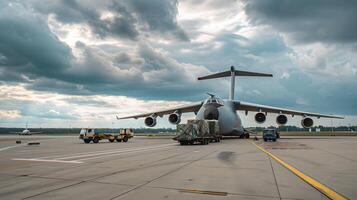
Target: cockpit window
x=214, y=100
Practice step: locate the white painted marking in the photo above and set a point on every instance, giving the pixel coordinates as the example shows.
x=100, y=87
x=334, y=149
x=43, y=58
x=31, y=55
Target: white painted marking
x=9, y=147
x=49, y=160
x=121, y=153
x=96, y=156
x=18, y=145
x=95, y=152
x=112, y=152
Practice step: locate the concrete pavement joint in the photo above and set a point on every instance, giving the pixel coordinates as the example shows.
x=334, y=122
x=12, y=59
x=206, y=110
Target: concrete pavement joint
x=45, y=192
x=165, y=174
x=276, y=182
x=330, y=193
x=92, y=180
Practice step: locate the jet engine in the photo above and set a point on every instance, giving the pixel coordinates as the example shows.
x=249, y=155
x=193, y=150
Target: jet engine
x=281, y=119
x=175, y=118
x=260, y=117
x=150, y=121
x=307, y=122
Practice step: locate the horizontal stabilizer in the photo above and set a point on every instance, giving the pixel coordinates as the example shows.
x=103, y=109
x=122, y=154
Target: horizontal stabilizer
x=233, y=73
x=236, y=73
x=247, y=73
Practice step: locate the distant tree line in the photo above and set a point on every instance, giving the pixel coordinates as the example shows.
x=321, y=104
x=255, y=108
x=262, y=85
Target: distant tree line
x=72, y=131
x=295, y=128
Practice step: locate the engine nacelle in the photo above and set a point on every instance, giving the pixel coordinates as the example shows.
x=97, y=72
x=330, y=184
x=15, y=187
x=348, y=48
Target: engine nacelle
x=150, y=121
x=307, y=122
x=175, y=118
x=260, y=117
x=281, y=119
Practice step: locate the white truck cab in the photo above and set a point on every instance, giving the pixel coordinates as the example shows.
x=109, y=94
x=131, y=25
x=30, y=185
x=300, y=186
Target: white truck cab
x=86, y=132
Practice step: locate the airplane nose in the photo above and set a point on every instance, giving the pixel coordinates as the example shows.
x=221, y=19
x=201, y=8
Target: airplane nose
x=211, y=112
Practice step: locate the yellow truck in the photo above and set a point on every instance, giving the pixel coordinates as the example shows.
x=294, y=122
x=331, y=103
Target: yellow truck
x=88, y=135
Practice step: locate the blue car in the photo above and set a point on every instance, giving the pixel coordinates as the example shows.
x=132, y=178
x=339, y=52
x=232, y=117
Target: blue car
x=270, y=134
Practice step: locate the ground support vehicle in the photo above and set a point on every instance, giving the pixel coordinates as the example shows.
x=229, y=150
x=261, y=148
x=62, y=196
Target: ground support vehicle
x=125, y=134
x=198, y=132
x=88, y=135
x=270, y=134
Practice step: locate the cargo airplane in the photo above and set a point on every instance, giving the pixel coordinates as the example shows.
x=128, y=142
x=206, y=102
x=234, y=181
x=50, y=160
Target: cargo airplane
x=225, y=111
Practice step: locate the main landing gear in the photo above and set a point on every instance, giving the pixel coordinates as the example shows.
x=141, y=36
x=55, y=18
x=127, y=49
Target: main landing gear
x=244, y=136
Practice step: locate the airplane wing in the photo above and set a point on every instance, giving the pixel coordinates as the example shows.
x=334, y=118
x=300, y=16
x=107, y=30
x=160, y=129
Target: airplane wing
x=245, y=106
x=182, y=109
x=36, y=132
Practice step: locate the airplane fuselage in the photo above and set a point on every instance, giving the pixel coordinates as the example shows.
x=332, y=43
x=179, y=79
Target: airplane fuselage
x=223, y=111
x=25, y=132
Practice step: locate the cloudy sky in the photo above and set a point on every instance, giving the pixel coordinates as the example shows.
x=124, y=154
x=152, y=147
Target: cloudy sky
x=80, y=62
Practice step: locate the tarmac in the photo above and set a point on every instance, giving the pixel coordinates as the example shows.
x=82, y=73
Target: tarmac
x=63, y=167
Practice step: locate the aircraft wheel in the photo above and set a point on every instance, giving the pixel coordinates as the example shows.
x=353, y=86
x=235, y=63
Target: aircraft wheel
x=95, y=140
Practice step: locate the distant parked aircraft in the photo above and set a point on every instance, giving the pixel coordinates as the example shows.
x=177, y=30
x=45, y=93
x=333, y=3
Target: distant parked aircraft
x=26, y=131
x=225, y=111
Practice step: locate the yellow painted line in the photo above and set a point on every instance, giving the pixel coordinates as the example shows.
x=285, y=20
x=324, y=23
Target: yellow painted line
x=204, y=192
x=314, y=183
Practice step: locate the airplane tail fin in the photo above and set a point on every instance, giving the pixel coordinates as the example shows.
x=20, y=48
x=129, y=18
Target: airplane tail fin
x=233, y=73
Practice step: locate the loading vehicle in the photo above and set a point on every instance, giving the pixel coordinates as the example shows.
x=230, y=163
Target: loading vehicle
x=89, y=134
x=198, y=132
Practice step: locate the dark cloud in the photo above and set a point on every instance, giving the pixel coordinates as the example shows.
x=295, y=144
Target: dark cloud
x=117, y=18
x=32, y=54
x=147, y=73
x=158, y=15
x=237, y=50
x=120, y=24
x=324, y=95
x=307, y=21
x=27, y=45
